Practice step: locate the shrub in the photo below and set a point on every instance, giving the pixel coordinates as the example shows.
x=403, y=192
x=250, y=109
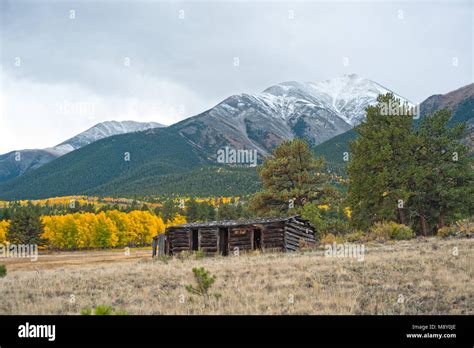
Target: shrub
x=329, y=238
x=3, y=271
x=184, y=255
x=102, y=310
x=204, y=281
x=382, y=231
x=311, y=213
x=355, y=236
x=379, y=232
x=446, y=231
x=199, y=254
x=401, y=232
x=326, y=219
x=86, y=311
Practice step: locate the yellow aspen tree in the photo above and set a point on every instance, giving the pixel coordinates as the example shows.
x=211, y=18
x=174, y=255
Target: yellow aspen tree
x=3, y=231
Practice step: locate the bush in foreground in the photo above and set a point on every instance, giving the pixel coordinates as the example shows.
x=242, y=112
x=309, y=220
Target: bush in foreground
x=102, y=310
x=204, y=282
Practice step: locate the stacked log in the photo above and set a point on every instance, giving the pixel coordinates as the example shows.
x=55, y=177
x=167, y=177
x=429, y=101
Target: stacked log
x=240, y=238
x=180, y=240
x=273, y=236
x=298, y=233
x=208, y=240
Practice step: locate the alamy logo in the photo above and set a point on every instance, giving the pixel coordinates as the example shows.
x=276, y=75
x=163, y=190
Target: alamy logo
x=37, y=331
x=346, y=250
x=10, y=250
x=397, y=108
x=229, y=155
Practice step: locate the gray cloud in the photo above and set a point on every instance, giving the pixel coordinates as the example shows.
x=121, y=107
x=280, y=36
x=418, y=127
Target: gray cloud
x=175, y=63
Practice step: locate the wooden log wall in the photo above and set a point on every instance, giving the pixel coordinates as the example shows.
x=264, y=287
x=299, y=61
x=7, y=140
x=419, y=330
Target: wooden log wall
x=273, y=236
x=209, y=239
x=281, y=235
x=298, y=233
x=241, y=238
x=179, y=239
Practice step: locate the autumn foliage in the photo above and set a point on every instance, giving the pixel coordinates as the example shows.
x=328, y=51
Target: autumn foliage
x=3, y=231
x=103, y=230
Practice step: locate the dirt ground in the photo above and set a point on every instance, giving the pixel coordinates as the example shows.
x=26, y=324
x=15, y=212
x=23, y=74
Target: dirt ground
x=63, y=260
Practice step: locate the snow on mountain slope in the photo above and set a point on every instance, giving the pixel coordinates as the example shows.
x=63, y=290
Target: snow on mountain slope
x=316, y=111
x=17, y=163
x=104, y=130
x=347, y=95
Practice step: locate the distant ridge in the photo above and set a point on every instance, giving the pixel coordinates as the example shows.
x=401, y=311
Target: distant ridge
x=16, y=163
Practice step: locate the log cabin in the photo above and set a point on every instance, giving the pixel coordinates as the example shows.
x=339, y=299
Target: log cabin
x=235, y=236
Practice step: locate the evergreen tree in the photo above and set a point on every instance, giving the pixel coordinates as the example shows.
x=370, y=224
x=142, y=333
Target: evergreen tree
x=192, y=210
x=381, y=163
x=443, y=182
x=168, y=210
x=227, y=212
x=26, y=227
x=206, y=212
x=291, y=177
x=5, y=214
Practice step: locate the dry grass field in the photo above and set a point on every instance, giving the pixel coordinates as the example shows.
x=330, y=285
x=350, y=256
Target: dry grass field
x=424, y=276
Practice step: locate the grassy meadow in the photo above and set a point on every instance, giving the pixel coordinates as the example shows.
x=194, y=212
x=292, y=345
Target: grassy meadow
x=420, y=276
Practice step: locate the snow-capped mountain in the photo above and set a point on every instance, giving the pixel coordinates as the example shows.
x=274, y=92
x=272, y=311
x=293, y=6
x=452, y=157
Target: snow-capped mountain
x=16, y=163
x=101, y=131
x=316, y=111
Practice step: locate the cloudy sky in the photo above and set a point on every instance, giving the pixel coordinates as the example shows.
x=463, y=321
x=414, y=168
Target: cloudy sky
x=67, y=65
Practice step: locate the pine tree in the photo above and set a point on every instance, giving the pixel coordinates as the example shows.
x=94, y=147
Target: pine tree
x=443, y=186
x=192, y=210
x=26, y=227
x=206, y=212
x=291, y=177
x=381, y=162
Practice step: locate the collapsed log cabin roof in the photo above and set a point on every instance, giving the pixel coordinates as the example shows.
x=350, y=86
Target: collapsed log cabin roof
x=233, y=223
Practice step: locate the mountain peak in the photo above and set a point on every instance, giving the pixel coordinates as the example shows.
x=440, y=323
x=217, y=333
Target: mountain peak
x=347, y=95
x=35, y=158
x=103, y=130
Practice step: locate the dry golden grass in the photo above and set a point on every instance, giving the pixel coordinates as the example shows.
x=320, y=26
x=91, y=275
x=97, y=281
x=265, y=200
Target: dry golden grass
x=425, y=272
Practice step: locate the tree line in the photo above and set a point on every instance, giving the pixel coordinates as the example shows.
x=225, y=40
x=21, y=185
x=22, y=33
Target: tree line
x=84, y=230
